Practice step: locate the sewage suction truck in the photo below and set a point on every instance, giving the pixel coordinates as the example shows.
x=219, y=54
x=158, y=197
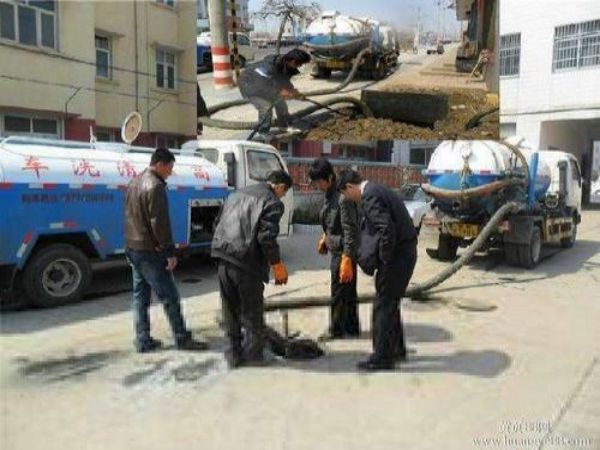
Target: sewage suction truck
x=471, y=180
x=335, y=39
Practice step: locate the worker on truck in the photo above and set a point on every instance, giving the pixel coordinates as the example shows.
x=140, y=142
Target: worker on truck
x=245, y=243
x=150, y=252
x=389, y=244
x=266, y=84
x=339, y=219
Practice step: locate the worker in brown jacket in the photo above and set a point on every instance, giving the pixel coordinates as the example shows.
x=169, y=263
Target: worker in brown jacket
x=150, y=252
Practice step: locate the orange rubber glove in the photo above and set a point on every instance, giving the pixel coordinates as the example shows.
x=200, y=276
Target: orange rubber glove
x=346, y=269
x=321, y=245
x=280, y=273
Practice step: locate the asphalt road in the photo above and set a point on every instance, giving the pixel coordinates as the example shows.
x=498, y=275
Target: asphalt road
x=524, y=375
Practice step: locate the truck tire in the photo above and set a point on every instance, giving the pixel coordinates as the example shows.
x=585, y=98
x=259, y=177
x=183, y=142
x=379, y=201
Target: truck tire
x=570, y=241
x=511, y=254
x=56, y=275
x=529, y=254
x=447, y=247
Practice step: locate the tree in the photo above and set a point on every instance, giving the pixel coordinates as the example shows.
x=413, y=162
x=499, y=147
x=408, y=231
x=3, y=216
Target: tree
x=286, y=11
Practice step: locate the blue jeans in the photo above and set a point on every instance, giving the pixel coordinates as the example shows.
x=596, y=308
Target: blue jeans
x=150, y=273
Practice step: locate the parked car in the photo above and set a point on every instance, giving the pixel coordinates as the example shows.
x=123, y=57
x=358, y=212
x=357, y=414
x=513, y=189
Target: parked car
x=417, y=203
x=246, y=51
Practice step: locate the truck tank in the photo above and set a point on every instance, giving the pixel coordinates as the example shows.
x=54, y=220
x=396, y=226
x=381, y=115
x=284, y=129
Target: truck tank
x=459, y=165
x=334, y=35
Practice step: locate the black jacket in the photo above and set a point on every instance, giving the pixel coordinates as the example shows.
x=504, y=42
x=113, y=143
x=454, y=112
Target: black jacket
x=266, y=78
x=147, y=221
x=339, y=219
x=247, y=229
x=385, y=218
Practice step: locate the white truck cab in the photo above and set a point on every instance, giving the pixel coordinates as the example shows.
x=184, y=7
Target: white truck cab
x=244, y=163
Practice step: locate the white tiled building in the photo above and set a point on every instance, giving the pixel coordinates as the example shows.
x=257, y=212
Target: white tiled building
x=550, y=75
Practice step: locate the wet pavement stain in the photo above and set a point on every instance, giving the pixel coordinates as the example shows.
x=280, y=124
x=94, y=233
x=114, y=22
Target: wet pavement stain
x=140, y=376
x=62, y=369
x=194, y=371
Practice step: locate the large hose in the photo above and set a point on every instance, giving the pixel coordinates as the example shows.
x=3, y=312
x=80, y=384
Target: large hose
x=235, y=125
x=486, y=189
x=412, y=291
x=242, y=101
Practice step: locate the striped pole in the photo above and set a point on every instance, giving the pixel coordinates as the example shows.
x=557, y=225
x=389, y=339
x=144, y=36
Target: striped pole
x=222, y=74
x=234, y=41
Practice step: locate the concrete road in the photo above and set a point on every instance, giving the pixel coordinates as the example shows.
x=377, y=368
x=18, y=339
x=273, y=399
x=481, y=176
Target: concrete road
x=303, y=82
x=525, y=375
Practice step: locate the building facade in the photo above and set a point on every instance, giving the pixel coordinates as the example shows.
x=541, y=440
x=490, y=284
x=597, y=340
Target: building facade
x=550, y=77
x=71, y=67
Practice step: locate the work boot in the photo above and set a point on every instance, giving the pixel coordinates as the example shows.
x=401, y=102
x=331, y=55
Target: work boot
x=375, y=365
x=293, y=130
x=191, y=344
x=148, y=345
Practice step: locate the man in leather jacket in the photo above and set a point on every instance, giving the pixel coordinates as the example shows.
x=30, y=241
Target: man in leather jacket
x=266, y=84
x=245, y=243
x=151, y=253
x=339, y=219
x=385, y=217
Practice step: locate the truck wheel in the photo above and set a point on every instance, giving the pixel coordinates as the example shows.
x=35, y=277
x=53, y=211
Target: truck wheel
x=511, y=254
x=529, y=254
x=56, y=275
x=570, y=241
x=447, y=247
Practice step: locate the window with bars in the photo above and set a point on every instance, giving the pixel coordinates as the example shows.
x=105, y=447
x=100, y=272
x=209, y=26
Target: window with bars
x=510, y=54
x=29, y=22
x=103, y=57
x=29, y=126
x=576, y=45
x=165, y=69
x=166, y=141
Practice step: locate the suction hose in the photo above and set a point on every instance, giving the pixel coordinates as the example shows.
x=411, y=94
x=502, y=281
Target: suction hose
x=237, y=125
x=416, y=290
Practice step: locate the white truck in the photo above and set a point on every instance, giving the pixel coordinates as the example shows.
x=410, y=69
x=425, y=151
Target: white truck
x=63, y=205
x=471, y=180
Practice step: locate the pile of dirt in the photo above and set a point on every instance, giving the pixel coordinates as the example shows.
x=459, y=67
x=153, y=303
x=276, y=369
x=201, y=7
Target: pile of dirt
x=463, y=105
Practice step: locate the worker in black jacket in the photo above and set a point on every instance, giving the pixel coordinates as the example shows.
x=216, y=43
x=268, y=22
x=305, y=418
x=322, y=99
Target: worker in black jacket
x=245, y=243
x=339, y=219
x=385, y=218
x=266, y=84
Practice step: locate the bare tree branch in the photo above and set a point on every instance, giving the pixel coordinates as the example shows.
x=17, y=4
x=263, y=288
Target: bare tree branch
x=286, y=11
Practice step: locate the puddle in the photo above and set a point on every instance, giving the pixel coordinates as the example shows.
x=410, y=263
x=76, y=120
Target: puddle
x=62, y=369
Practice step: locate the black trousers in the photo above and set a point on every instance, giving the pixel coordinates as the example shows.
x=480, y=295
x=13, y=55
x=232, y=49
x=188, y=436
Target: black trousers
x=391, y=281
x=344, y=302
x=243, y=307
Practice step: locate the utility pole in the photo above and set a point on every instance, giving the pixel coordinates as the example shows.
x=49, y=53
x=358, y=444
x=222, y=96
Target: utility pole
x=222, y=74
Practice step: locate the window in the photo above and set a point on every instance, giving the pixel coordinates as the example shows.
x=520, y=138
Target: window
x=261, y=164
x=165, y=69
x=576, y=45
x=243, y=39
x=575, y=171
x=103, y=57
x=510, y=54
x=169, y=3
x=167, y=141
x=30, y=126
x=420, y=156
x=105, y=135
x=29, y=22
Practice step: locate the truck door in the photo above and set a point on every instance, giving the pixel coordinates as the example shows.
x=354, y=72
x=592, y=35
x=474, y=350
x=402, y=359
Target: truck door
x=259, y=163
